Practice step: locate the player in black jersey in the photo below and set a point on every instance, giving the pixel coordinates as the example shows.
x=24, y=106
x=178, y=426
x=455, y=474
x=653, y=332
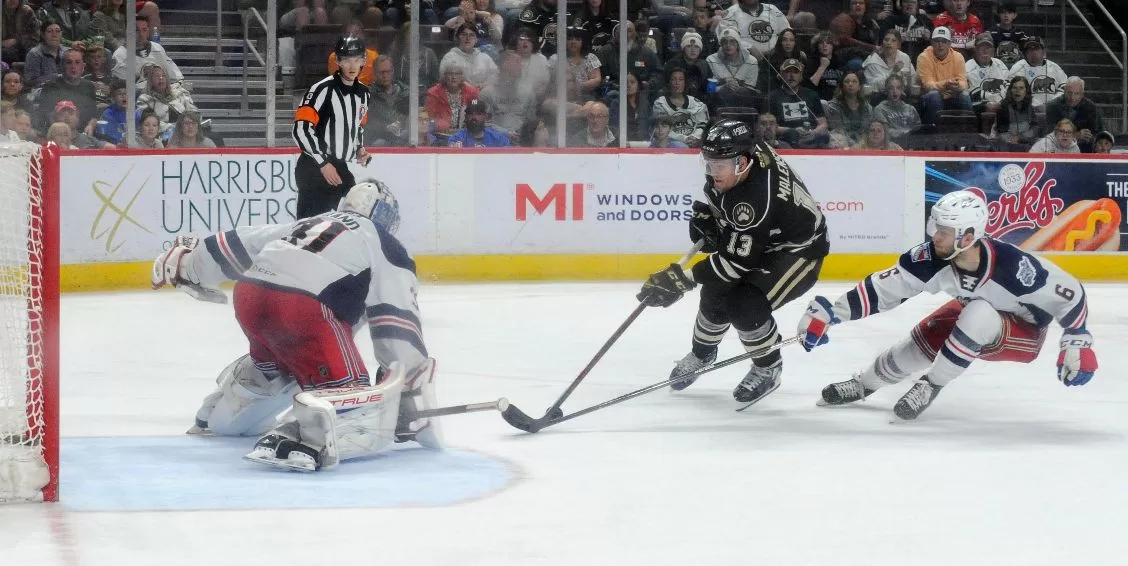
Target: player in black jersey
x=765, y=237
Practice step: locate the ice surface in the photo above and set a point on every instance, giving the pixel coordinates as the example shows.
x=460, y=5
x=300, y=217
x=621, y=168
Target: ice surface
x=1007, y=467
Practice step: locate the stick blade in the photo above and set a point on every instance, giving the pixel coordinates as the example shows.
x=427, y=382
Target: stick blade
x=518, y=419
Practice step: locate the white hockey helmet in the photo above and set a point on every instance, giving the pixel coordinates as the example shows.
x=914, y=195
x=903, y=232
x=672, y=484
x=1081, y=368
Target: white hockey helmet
x=962, y=211
x=374, y=200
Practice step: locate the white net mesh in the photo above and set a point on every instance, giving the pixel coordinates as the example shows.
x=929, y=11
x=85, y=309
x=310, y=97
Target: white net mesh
x=23, y=468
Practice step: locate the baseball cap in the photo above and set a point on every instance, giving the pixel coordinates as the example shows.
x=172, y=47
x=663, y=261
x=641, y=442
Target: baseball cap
x=942, y=33
x=985, y=37
x=729, y=33
x=1106, y=135
x=64, y=104
x=791, y=64
x=692, y=38
x=477, y=105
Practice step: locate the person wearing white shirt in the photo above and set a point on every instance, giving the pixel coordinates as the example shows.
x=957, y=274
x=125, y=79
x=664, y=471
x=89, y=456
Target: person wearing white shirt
x=986, y=76
x=887, y=61
x=148, y=53
x=758, y=24
x=1047, y=79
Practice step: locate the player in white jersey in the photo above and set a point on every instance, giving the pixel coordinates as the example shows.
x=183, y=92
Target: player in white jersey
x=1004, y=302
x=301, y=290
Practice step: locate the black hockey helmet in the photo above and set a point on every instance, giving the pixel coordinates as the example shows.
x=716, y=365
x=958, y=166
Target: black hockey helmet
x=349, y=46
x=727, y=138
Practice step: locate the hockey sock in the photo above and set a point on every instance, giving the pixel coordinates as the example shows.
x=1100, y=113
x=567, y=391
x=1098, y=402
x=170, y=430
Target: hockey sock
x=706, y=335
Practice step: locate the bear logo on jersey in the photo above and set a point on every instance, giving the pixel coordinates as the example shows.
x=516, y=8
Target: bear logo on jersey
x=742, y=215
x=760, y=31
x=1043, y=84
x=1026, y=273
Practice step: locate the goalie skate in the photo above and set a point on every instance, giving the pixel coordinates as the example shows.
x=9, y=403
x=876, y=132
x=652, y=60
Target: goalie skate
x=280, y=452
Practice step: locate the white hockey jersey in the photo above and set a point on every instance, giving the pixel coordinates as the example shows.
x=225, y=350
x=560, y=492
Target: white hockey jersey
x=759, y=29
x=359, y=271
x=1047, y=81
x=1008, y=278
x=986, y=83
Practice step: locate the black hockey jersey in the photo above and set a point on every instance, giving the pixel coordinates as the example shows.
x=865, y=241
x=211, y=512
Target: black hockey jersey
x=770, y=212
x=543, y=21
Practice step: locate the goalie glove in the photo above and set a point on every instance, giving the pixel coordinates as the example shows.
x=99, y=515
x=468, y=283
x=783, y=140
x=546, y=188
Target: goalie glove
x=703, y=227
x=664, y=288
x=816, y=322
x=173, y=266
x=1076, y=363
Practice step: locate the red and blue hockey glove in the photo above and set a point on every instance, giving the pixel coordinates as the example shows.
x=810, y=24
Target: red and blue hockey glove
x=1076, y=362
x=816, y=322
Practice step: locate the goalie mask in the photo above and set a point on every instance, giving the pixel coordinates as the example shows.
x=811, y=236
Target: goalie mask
x=960, y=211
x=374, y=200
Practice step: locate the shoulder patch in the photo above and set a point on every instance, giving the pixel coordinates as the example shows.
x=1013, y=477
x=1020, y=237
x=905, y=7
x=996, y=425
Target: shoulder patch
x=922, y=252
x=921, y=263
x=1017, y=271
x=742, y=215
x=1026, y=273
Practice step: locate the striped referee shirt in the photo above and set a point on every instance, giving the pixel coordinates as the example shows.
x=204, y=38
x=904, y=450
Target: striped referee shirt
x=329, y=124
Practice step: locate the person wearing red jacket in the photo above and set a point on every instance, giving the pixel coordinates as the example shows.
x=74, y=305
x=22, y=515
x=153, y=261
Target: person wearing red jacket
x=964, y=25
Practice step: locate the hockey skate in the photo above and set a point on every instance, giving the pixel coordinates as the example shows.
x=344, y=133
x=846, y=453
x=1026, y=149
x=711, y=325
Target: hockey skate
x=759, y=382
x=913, y=403
x=690, y=363
x=278, y=450
x=844, y=392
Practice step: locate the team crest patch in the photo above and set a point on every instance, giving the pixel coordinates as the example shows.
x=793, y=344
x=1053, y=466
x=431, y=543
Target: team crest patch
x=920, y=253
x=761, y=31
x=742, y=215
x=1026, y=272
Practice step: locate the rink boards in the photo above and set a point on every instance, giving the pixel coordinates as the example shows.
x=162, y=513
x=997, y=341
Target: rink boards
x=518, y=215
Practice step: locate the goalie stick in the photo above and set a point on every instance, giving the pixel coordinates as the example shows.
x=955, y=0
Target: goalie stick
x=499, y=405
x=518, y=419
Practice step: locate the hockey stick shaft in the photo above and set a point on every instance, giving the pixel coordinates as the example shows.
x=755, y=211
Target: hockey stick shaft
x=614, y=337
x=539, y=424
x=499, y=405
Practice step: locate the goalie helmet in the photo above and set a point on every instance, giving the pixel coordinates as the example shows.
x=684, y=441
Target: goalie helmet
x=374, y=200
x=962, y=211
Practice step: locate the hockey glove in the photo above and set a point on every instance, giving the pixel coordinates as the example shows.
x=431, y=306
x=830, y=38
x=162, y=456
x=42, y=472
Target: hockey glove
x=172, y=266
x=816, y=322
x=1076, y=362
x=703, y=227
x=664, y=288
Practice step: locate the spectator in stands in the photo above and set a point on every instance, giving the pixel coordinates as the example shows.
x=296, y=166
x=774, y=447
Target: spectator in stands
x=687, y=114
x=1008, y=39
x=797, y=19
x=758, y=25
x=1062, y=140
x=539, y=17
x=166, y=99
x=387, y=124
x=933, y=8
x=98, y=72
x=535, y=74
x=510, y=103
x=13, y=91
x=487, y=27
x=22, y=122
x=367, y=12
x=8, y=122
x=702, y=26
x=426, y=135
x=59, y=134
x=188, y=132
x=943, y=77
x=109, y=20
x=986, y=76
x=638, y=110
x=734, y=69
x=888, y=61
x=964, y=25
x=480, y=69
x=876, y=137
x=428, y=62
x=1015, y=122
x=72, y=87
x=355, y=29
x=148, y=135
x=599, y=18
x=859, y=35
x=799, y=111
x=303, y=13
x=1047, y=80
x=597, y=133
x=848, y=112
x=1104, y=142
x=534, y=133
x=82, y=133
x=447, y=100
x=697, y=72
x=475, y=133
x=827, y=68
x=640, y=58
x=901, y=118
x=1085, y=115
x=112, y=126
x=73, y=19
x=583, y=67
x=661, y=126
x=148, y=53
x=44, y=61
x=20, y=31
x=916, y=29
x=766, y=131
x=786, y=47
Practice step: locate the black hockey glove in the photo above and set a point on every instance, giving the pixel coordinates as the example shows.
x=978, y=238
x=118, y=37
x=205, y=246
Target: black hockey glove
x=664, y=288
x=703, y=226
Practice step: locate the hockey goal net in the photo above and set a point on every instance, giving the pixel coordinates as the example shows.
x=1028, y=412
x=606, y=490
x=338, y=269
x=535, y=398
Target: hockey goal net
x=29, y=306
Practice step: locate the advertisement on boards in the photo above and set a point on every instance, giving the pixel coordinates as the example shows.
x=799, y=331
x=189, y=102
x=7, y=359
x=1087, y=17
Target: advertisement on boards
x=127, y=208
x=1053, y=206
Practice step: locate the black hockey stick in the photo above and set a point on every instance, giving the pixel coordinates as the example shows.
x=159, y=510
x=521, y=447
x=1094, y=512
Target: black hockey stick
x=520, y=420
x=554, y=411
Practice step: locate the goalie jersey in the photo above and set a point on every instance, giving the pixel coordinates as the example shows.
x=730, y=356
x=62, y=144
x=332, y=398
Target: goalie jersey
x=358, y=270
x=1008, y=278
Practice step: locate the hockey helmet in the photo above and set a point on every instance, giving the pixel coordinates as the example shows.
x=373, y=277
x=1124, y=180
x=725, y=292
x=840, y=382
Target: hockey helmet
x=725, y=141
x=374, y=200
x=963, y=212
x=349, y=46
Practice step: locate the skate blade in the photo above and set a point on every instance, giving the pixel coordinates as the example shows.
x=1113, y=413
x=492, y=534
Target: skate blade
x=197, y=431
x=762, y=397
x=279, y=463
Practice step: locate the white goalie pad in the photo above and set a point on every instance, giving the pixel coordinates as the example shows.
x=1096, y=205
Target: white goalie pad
x=352, y=422
x=418, y=395
x=246, y=402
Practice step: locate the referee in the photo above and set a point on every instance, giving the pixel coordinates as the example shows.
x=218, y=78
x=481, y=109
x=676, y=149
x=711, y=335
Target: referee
x=329, y=129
